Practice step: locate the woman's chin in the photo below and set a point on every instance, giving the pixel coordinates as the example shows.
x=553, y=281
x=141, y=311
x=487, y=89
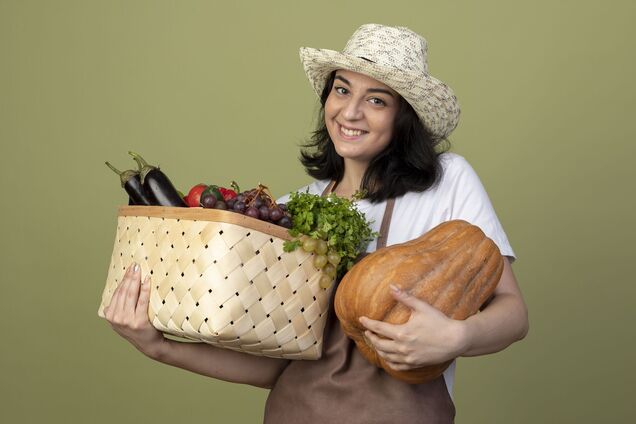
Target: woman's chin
x=346, y=152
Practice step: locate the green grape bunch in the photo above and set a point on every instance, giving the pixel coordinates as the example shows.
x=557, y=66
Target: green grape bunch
x=332, y=228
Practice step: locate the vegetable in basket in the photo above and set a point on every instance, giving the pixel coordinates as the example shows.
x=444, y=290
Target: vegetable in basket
x=193, y=199
x=154, y=181
x=131, y=182
x=257, y=203
x=230, y=193
x=213, y=190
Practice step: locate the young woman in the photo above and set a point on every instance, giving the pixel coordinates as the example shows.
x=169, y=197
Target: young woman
x=382, y=122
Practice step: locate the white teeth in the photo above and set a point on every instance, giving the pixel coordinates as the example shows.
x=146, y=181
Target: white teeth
x=351, y=133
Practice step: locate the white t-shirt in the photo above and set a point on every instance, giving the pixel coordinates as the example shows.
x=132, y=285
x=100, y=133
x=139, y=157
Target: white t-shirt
x=458, y=195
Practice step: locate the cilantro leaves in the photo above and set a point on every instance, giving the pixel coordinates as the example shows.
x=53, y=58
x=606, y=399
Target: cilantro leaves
x=334, y=219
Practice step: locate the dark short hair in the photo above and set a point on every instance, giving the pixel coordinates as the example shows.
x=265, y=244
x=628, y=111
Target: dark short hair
x=409, y=163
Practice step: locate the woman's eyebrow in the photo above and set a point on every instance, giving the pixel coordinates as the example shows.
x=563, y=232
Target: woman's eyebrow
x=379, y=90
x=370, y=90
x=343, y=79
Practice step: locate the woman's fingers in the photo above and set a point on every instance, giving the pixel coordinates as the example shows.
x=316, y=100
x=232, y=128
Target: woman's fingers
x=389, y=350
x=396, y=358
x=128, y=313
x=112, y=308
x=119, y=307
x=132, y=291
x=141, y=309
x=122, y=289
x=384, y=329
x=380, y=344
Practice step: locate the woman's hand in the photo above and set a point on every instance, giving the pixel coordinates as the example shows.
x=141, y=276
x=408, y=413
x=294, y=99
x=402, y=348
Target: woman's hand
x=127, y=313
x=429, y=337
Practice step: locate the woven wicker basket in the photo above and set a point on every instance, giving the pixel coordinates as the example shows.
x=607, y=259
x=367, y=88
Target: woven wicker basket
x=222, y=278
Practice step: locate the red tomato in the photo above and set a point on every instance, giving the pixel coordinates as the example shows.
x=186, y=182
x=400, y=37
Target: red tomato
x=227, y=193
x=193, y=198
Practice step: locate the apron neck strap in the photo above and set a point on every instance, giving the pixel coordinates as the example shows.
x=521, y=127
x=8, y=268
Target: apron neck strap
x=386, y=219
x=328, y=189
x=386, y=223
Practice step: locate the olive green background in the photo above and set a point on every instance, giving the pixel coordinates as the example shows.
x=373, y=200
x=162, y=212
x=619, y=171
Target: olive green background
x=214, y=92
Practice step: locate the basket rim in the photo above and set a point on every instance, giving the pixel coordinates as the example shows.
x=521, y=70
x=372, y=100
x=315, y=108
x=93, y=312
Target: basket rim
x=202, y=214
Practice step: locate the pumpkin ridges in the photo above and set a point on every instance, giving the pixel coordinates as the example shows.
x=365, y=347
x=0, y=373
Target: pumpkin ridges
x=439, y=276
x=431, y=291
x=410, y=282
x=372, y=295
x=350, y=300
x=448, y=253
x=346, y=298
x=487, y=277
x=400, y=313
x=381, y=297
x=428, y=241
x=484, y=281
x=483, y=278
x=463, y=265
x=439, y=235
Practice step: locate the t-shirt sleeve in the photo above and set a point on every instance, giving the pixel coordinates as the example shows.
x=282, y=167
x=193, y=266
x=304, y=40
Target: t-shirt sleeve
x=315, y=188
x=467, y=199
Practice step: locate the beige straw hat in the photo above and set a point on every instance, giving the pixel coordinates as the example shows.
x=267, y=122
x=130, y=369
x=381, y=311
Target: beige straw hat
x=397, y=57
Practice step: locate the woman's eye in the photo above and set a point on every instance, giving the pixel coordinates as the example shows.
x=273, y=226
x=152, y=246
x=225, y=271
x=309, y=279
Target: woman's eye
x=340, y=90
x=377, y=101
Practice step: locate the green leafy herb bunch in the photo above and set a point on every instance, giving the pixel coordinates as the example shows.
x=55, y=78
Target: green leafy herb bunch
x=330, y=226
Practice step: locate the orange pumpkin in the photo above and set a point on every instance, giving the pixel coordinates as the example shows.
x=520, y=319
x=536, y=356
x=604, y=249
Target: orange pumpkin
x=453, y=267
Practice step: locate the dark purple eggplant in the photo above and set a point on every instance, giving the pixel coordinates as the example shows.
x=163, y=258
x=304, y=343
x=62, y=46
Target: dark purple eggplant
x=155, y=182
x=131, y=182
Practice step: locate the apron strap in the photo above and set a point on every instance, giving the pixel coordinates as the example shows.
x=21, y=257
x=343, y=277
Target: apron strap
x=328, y=189
x=386, y=223
x=386, y=219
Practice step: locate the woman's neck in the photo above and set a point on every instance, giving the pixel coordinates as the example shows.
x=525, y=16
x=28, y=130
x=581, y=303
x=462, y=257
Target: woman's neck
x=351, y=180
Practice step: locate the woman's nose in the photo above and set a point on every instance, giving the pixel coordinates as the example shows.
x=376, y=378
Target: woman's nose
x=352, y=110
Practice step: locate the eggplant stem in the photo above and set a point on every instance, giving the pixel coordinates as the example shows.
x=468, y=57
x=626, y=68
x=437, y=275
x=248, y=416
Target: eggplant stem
x=140, y=161
x=143, y=170
x=117, y=171
x=123, y=176
x=139, y=165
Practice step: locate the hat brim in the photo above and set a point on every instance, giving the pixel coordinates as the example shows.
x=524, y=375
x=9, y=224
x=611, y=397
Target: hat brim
x=433, y=101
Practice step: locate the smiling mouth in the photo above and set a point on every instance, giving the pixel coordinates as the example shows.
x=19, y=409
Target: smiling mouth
x=351, y=132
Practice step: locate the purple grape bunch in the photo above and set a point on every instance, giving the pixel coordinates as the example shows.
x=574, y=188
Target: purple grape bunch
x=258, y=203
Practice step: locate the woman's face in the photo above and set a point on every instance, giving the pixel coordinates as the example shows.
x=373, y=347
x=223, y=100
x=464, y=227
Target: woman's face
x=359, y=115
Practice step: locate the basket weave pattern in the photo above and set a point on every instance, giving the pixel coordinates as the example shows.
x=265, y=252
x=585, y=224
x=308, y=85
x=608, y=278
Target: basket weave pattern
x=223, y=283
